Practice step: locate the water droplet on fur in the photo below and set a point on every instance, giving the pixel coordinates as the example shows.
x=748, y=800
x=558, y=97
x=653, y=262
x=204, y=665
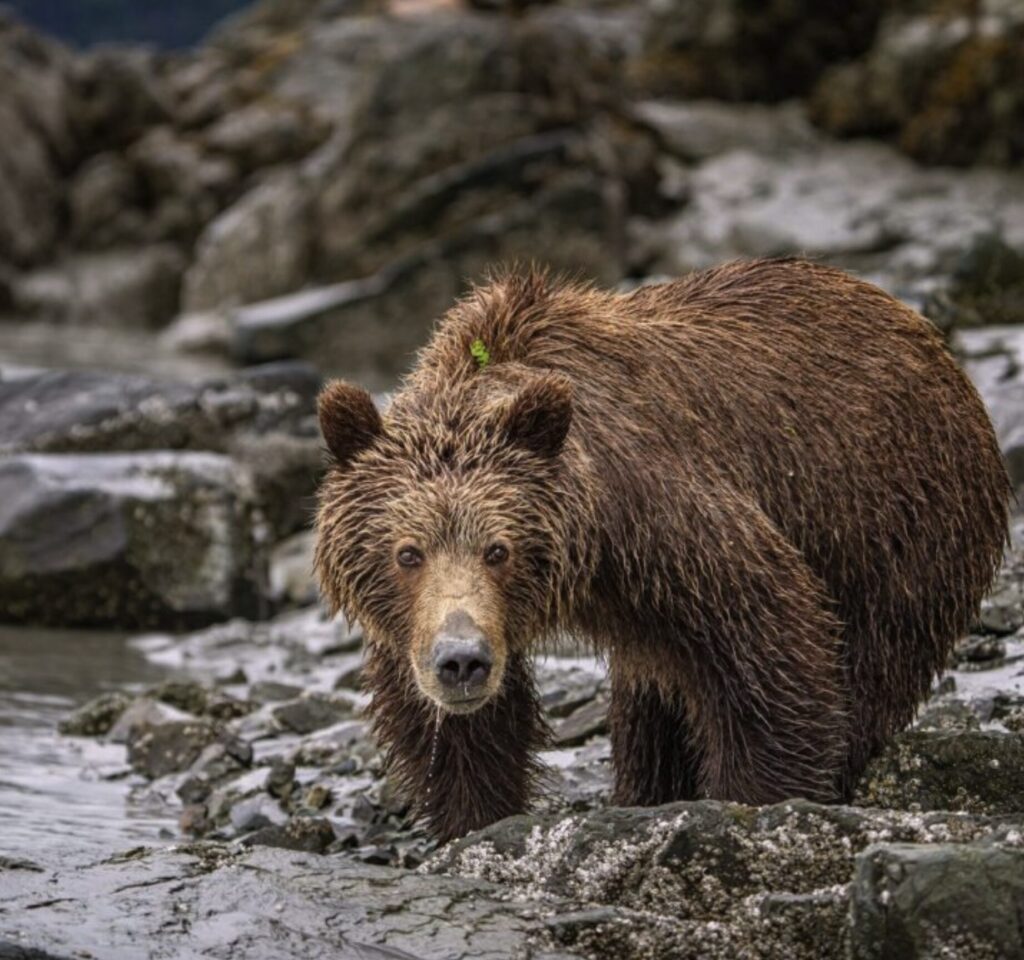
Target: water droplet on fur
x=438, y=717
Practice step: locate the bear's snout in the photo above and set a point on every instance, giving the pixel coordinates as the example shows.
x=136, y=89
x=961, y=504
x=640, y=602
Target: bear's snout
x=462, y=659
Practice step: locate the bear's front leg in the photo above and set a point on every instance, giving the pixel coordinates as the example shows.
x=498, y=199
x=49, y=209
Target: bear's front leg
x=461, y=772
x=653, y=755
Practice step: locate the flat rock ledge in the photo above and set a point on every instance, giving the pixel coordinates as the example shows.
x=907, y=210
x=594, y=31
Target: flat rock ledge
x=688, y=880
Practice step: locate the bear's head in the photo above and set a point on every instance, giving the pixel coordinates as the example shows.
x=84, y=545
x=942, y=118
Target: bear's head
x=446, y=527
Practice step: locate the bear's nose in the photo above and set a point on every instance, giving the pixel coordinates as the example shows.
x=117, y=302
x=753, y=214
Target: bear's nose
x=462, y=663
x=462, y=656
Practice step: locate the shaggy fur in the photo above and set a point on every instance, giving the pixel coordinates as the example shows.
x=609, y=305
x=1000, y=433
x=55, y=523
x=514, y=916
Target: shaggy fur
x=766, y=491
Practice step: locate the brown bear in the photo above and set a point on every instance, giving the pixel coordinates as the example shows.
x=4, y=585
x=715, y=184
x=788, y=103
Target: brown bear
x=766, y=492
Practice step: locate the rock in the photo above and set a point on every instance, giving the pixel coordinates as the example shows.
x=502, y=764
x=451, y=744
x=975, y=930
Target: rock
x=312, y=712
x=234, y=262
x=700, y=129
x=265, y=419
x=587, y=721
x=209, y=900
x=156, y=750
x=976, y=771
x=35, y=128
x=96, y=717
x=127, y=539
x=103, y=198
x=892, y=222
x=91, y=411
x=916, y=902
x=291, y=570
x=273, y=691
x=260, y=134
x=258, y=813
x=125, y=287
x=696, y=880
x=190, y=186
x=281, y=779
x=144, y=712
x=733, y=50
x=941, y=80
x=117, y=95
x=1002, y=611
x=310, y=834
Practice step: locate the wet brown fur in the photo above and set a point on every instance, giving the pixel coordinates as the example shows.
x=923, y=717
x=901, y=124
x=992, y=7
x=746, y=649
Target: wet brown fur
x=779, y=504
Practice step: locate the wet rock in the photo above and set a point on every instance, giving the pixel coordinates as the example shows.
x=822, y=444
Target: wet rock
x=257, y=814
x=156, y=750
x=927, y=770
x=189, y=186
x=36, y=131
x=281, y=779
x=118, y=94
x=1002, y=611
x=103, y=201
x=273, y=691
x=587, y=721
x=312, y=712
x=744, y=51
x=310, y=834
x=291, y=570
x=260, y=134
x=698, y=130
x=144, y=539
x=264, y=418
x=127, y=287
x=210, y=900
x=942, y=80
x=86, y=411
x=916, y=902
x=981, y=651
x=234, y=262
x=986, y=287
x=96, y=717
x=144, y=712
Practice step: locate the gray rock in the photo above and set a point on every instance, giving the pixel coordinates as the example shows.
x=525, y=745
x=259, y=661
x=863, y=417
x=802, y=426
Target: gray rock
x=103, y=203
x=35, y=129
x=144, y=712
x=234, y=261
x=207, y=900
x=980, y=771
x=916, y=902
x=264, y=418
x=127, y=287
x=118, y=93
x=585, y=722
x=260, y=134
x=145, y=539
x=312, y=712
x=698, y=130
x=97, y=717
x=159, y=749
x=938, y=81
x=310, y=834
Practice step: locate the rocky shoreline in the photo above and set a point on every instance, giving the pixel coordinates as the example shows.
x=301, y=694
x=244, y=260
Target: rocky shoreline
x=159, y=452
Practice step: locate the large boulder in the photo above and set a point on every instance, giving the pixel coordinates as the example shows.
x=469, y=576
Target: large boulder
x=256, y=249
x=127, y=539
x=944, y=80
x=127, y=287
x=264, y=418
x=36, y=132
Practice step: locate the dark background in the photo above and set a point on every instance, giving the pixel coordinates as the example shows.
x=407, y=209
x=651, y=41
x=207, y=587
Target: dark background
x=88, y=22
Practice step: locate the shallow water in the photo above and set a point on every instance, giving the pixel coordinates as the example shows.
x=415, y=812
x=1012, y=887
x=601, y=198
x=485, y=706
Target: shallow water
x=66, y=799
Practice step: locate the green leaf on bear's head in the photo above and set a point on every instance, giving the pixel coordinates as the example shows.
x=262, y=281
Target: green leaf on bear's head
x=480, y=352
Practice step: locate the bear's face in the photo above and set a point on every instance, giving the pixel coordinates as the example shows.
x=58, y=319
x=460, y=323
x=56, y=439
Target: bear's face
x=442, y=529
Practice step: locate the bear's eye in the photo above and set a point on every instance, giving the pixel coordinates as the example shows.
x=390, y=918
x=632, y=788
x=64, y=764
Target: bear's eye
x=409, y=557
x=496, y=553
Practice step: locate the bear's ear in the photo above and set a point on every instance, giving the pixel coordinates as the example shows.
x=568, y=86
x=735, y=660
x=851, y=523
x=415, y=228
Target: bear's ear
x=539, y=416
x=349, y=420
